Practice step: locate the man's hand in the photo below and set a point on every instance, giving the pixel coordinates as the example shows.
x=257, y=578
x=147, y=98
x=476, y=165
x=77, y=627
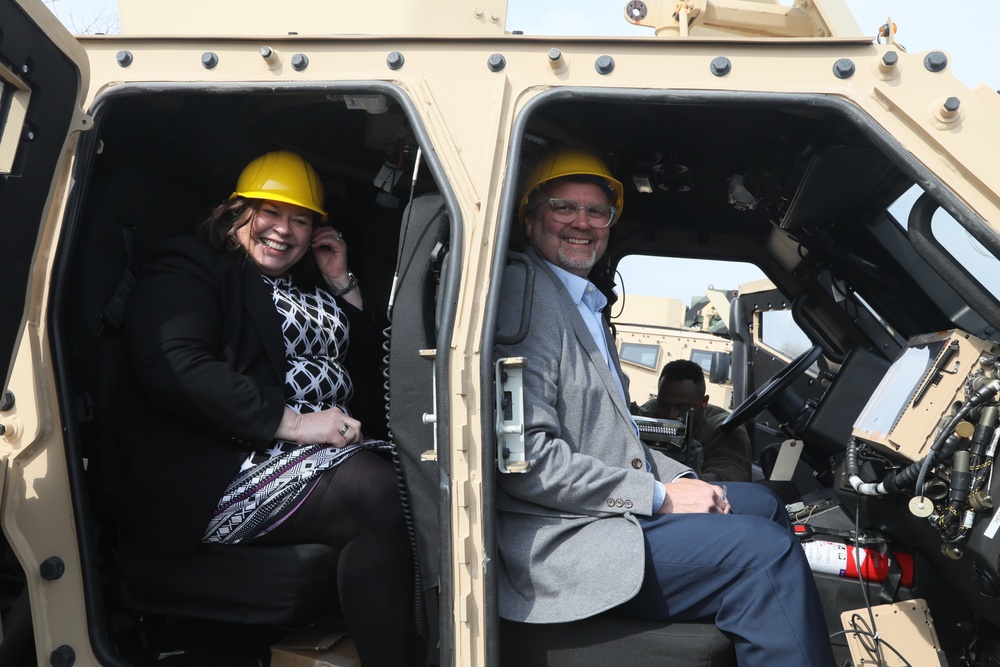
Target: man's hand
x=693, y=496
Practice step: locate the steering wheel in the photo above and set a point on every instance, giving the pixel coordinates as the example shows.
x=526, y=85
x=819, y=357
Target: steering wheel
x=770, y=390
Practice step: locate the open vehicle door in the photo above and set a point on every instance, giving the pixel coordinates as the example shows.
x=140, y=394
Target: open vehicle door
x=43, y=81
x=43, y=73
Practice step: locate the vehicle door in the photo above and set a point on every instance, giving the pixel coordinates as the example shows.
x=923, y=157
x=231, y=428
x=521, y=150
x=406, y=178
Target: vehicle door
x=43, y=74
x=43, y=82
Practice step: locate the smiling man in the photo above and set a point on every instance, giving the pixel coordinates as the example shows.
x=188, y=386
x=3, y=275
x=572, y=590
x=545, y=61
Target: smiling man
x=600, y=521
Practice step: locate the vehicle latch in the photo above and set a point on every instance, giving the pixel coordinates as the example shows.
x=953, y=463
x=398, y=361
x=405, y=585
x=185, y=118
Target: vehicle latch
x=431, y=417
x=510, y=415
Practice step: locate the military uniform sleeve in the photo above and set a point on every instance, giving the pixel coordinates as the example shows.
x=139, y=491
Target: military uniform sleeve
x=727, y=456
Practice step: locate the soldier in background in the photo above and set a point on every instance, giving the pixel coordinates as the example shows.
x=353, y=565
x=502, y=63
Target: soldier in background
x=681, y=389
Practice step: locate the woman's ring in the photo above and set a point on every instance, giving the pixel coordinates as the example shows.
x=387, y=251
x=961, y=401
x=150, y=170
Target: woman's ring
x=344, y=429
x=340, y=237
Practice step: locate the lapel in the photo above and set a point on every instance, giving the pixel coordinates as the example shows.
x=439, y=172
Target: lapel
x=260, y=311
x=585, y=339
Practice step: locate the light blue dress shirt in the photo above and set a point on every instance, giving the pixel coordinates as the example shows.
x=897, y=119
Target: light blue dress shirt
x=590, y=301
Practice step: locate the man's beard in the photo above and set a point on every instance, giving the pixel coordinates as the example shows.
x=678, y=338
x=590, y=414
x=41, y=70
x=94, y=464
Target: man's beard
x=568, y=261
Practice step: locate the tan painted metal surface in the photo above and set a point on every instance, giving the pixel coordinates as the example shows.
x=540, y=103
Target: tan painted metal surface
x=468, y=111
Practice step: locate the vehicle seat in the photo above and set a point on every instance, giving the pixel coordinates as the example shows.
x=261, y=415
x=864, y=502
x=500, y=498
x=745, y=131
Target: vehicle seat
x=614, y=640
x=266, y=585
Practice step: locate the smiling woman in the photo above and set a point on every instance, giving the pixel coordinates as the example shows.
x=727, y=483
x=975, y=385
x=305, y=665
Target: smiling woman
x=278, y=236
x=241, y=345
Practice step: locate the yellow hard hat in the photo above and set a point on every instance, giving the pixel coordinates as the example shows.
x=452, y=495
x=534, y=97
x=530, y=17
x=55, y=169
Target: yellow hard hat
x=570, y=161
x=282, y=176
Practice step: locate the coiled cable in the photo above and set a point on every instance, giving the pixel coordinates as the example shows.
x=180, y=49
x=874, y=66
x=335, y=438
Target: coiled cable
x=419, y=610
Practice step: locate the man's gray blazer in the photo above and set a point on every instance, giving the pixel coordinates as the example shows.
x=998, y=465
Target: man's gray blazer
x=569, y=541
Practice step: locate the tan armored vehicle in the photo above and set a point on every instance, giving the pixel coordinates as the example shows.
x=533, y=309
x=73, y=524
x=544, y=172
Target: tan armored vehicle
x=653, y=331
x=783, y=136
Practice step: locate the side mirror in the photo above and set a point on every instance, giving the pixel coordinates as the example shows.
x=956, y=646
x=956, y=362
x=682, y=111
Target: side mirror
x=719, y=373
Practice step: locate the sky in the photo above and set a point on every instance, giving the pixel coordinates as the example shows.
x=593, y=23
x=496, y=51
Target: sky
x=964, y=29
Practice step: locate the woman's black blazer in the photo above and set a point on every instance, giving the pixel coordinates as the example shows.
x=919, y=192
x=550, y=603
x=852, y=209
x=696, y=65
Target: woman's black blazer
x=202, y=384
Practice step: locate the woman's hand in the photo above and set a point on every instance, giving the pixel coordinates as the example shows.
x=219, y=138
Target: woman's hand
x=330, y=252
x=692, y=496
x=331, y=255
x=328, y=427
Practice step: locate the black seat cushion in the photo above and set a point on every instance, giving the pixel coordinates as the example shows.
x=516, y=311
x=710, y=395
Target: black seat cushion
x=613, y=640
x=243, y=584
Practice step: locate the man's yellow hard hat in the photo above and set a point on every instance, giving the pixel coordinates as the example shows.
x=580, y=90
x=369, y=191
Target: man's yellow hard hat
x=571, y=161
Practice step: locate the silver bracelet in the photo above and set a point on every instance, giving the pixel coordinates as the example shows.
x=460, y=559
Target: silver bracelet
x=352, y=282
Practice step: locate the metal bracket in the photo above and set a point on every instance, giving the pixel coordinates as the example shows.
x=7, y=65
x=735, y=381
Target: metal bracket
x=510, y=415
x=788, y=459
x=431, y=417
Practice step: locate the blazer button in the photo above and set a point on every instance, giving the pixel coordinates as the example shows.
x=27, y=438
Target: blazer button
x=611, y=502
x=628, y=504
x=637, y=464
x=620, y=503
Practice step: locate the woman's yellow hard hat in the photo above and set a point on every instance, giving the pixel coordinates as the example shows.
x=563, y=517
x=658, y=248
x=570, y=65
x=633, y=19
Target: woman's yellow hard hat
x=282, y=176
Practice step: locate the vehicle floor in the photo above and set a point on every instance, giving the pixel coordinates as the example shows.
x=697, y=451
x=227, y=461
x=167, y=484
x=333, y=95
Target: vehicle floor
x=185, y=642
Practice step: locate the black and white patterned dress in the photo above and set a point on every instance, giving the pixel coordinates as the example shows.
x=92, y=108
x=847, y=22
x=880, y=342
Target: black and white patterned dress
x=270, y=485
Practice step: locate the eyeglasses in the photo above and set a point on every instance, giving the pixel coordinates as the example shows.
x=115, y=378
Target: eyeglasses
x=565, y=211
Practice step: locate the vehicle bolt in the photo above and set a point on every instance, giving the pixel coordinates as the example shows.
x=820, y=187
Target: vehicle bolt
x=478, y=12
x=300, y=61
x=26, y=67
x=52, y=568
x=266, y=52
x=843, y=68
x=3, y=430
x=555, y=54
x=7, y=402
x=63, y=656
x=494, y=17
x=604, y=65
x=952, y=551
x=721, y=66
x=935, y=61
x=951, y=105
x=124, y=58
x=395, y=60
x=496, y=62
x=209, y=60
x=890, y=59
x=636, y=10
x=29, y=134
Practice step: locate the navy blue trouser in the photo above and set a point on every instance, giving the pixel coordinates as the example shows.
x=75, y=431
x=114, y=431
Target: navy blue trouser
x=745, y=569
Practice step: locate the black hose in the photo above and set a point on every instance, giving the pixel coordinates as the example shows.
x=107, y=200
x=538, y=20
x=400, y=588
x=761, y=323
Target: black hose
x=980, y=395
x=851, y=458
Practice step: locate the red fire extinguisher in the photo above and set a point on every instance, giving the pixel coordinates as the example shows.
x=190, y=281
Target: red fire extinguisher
x=840, y=559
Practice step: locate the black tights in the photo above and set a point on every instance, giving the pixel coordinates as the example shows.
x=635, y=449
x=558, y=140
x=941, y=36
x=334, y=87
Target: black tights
x=355, y=507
